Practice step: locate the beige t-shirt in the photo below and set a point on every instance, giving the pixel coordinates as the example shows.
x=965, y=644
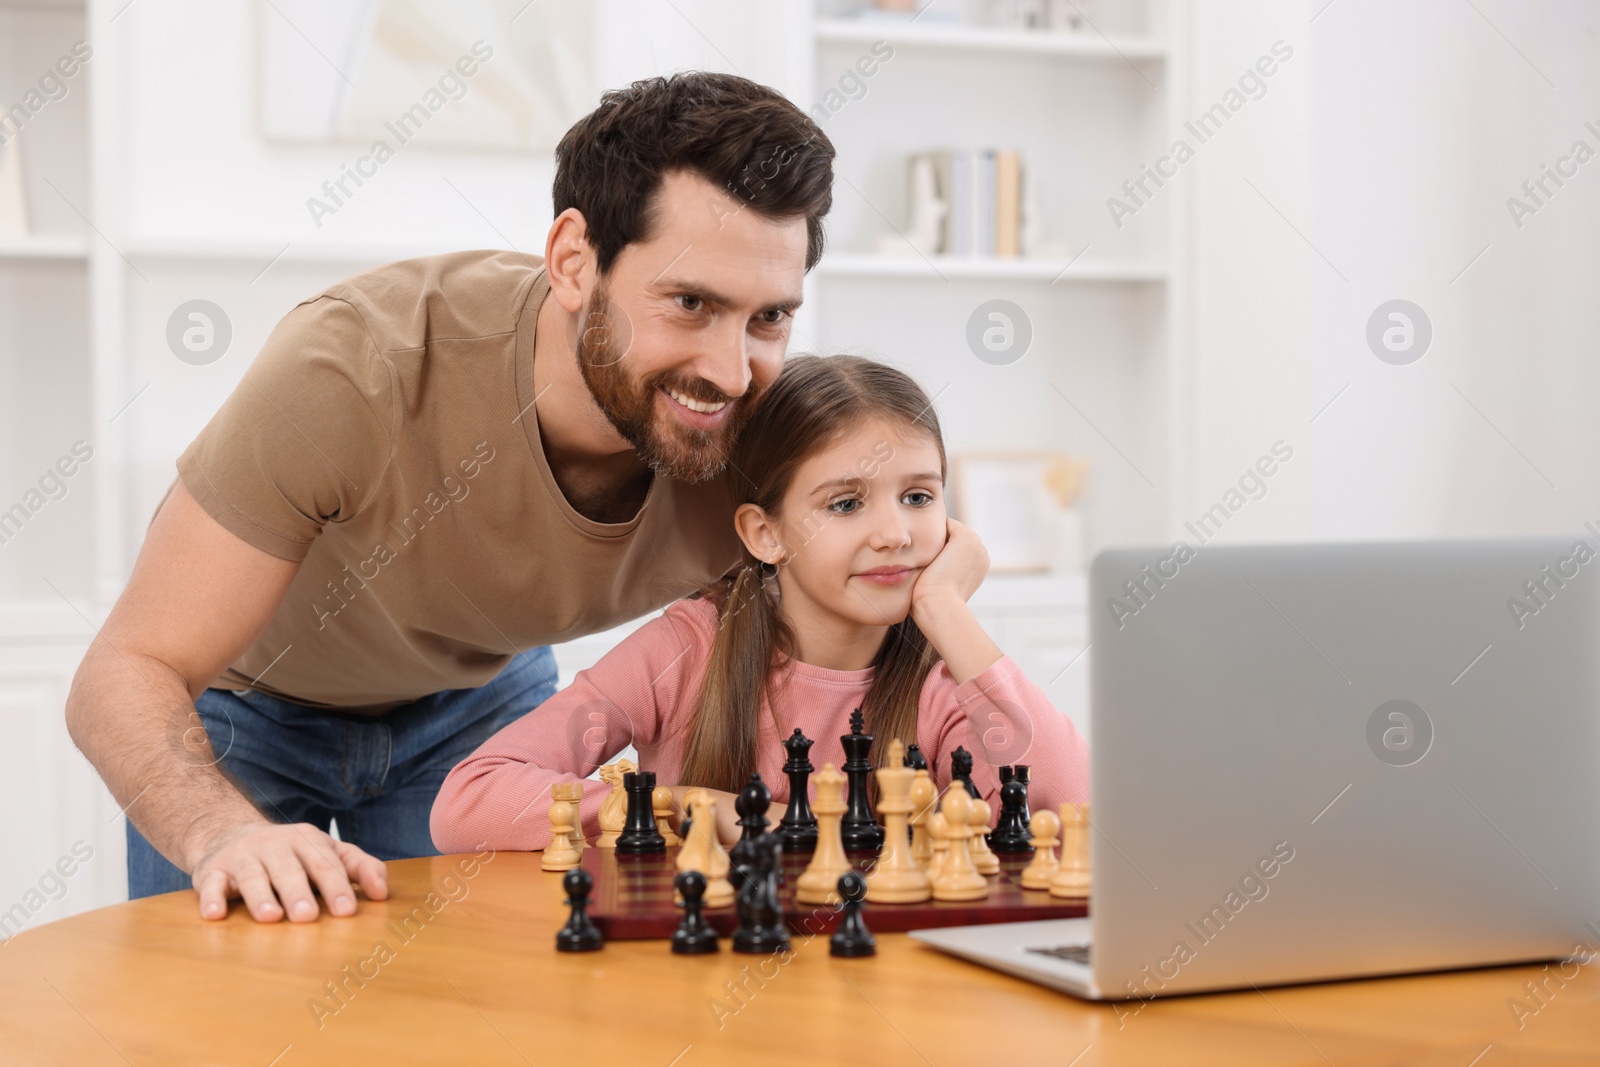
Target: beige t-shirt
x=386, y=436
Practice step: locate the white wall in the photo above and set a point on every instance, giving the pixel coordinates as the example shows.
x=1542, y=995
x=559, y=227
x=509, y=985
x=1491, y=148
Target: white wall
x=1245, y=309
x=1426, y=117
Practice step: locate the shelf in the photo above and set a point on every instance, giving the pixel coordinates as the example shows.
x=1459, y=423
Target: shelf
x=44, y=246
x=869, y=265
x=1089, y=45
x=262, y=253
x=265, y=252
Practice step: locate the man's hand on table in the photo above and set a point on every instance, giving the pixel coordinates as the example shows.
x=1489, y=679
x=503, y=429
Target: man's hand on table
x=268, y=864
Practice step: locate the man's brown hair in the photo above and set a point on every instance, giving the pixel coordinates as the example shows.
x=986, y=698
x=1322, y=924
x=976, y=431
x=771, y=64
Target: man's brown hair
x=739, y=135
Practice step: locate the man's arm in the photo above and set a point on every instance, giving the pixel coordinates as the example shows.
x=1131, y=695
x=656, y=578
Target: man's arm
x=197, y=598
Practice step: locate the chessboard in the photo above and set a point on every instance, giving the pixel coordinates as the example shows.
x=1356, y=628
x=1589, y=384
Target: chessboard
x=632, y=900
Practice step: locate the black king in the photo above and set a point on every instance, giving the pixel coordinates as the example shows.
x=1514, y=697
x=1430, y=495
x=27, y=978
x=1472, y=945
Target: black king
x=858, y=830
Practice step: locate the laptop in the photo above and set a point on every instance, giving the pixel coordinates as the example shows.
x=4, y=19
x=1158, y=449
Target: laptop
x=1315, y=762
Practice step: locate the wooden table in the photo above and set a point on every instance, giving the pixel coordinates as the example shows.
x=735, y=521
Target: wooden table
x=480, y=982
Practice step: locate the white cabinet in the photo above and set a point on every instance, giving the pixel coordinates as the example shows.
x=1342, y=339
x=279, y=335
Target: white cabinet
x=60, y=830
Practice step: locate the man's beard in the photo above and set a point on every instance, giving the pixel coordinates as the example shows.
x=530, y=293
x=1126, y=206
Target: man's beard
x=666, y=445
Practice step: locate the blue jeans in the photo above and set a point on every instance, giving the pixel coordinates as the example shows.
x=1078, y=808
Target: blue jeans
x=376, y=777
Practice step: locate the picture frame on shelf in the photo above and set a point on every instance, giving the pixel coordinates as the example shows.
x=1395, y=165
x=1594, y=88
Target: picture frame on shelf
x=13, y=198
x=1004, y=497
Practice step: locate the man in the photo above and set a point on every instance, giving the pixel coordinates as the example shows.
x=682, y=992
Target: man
x=432, y=471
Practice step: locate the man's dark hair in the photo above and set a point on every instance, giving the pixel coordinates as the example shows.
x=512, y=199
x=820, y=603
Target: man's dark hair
x=739, y=135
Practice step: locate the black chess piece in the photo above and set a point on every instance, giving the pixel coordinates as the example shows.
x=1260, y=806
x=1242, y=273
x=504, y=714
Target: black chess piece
x=761, y=929
x=640, y=836
x=914, y=757
x=1022, y=775
x=1010, y=835
x=694, y=936
x=858, y=829
x=751, y=804
x=852, y=939
x=961, y=771
x=798, y=828
x=580, y=934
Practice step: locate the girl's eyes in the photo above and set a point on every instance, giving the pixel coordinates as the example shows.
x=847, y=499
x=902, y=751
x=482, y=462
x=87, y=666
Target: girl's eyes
x=916, y=498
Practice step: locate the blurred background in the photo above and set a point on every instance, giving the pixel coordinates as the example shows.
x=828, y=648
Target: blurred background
x=1173, y=270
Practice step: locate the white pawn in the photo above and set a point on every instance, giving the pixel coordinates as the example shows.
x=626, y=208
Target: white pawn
x=939, y=831
x=924, y=799
x=959, y=880
x=559, y=855
x=1045, y=826
x=661, y=803
x=1071, y=879
x=983, y=857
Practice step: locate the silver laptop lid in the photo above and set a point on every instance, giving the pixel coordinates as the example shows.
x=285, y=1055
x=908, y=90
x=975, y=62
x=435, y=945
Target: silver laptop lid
x=1319, y=761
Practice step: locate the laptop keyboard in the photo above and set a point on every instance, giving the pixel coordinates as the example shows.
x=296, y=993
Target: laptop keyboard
x=1071, y=953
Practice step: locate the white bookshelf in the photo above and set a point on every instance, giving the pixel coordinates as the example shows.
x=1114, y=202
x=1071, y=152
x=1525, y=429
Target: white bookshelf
x=866, y=264
x=44, y=246
x=265, y=252
x=1086, y=109
x=57, y=379
x=1085, y=44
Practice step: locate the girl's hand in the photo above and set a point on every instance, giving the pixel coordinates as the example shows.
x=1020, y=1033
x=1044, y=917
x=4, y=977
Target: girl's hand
x=954, y=574
x=727, y=818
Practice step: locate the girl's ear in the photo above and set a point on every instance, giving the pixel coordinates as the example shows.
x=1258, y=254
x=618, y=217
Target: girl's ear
x=759, y=532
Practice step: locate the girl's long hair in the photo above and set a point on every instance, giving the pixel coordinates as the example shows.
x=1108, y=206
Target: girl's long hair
x=815, y=400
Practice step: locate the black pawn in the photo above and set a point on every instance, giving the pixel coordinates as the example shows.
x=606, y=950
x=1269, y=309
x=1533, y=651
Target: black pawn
x=798, y=829
x=639, y=836
x=852, y=939
x=1010, y=835
x=751, y=804
x=961, y=771
x=580, y=934
x=693, y=937
x=914, y=757
x=858, y=829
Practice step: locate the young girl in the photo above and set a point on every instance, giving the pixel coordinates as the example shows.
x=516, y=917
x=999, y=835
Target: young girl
x=853, y=593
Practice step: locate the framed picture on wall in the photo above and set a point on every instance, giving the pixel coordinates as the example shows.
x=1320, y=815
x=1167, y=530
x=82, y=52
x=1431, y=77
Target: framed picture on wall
x=1005, y=498
x=13, y=204
x=468, y=74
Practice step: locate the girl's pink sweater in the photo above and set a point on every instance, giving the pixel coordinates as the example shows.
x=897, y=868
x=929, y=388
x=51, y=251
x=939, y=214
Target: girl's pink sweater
x=644, y=692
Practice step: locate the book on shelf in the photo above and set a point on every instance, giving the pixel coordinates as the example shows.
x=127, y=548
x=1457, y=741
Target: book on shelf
x=975, y=206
